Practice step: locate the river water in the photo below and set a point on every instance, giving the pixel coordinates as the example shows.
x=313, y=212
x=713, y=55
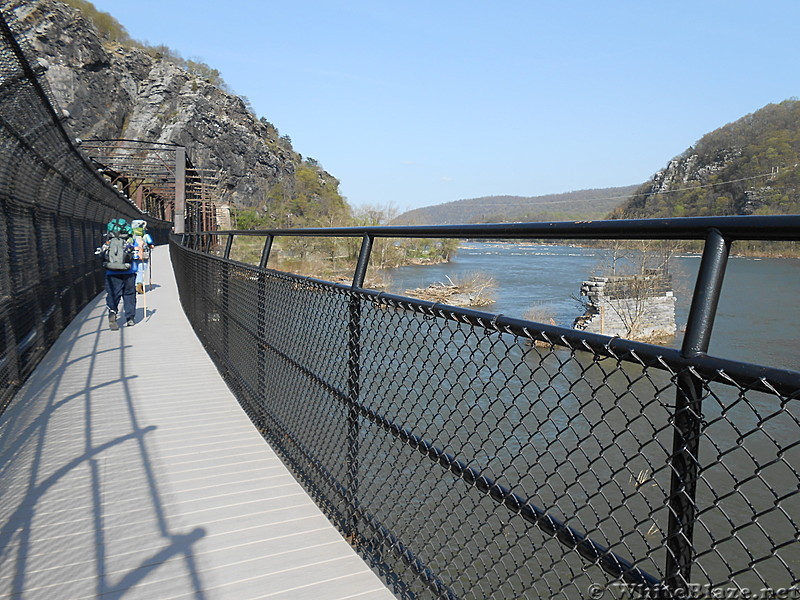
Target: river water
x=756, y=319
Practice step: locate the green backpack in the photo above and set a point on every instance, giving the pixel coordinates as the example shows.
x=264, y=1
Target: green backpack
x=119, y=254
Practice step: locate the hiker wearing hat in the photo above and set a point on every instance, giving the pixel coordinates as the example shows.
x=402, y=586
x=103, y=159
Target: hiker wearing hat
x=118, y=259
x=143, y=244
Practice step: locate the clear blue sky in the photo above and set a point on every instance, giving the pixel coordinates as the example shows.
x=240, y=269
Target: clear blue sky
x=421, y=102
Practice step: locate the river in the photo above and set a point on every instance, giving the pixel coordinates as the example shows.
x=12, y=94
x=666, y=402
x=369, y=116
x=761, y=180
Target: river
x=754, y=323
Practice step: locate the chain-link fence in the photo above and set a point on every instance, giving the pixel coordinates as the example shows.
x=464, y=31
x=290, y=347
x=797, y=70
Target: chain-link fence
x=469, y=455
x=53, y=208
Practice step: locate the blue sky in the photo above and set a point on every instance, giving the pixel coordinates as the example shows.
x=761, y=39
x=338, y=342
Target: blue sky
x=417, y=103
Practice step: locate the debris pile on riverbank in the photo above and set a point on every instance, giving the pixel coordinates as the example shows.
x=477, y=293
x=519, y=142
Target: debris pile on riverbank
x=472, y=290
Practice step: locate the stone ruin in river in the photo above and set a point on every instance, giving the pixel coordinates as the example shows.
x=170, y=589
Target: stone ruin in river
x=639, y=307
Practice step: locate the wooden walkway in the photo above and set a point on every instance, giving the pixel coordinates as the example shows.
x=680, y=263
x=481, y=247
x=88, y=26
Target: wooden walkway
x=128, y=470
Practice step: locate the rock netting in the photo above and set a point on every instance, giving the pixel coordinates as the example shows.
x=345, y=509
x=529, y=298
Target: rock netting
x=110, y=91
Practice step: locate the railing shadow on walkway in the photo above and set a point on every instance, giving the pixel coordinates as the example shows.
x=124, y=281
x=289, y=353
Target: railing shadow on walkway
x=129, y=470
x=43, y=414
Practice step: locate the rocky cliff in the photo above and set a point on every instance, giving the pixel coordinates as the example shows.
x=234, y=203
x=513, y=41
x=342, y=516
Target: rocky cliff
x=750, y=166
x=116, y=91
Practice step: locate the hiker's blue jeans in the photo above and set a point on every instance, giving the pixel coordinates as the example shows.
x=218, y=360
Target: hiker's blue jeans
x=141, y=269
x=121, y=286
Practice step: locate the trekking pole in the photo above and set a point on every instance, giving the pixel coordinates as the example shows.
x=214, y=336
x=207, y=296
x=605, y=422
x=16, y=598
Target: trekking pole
x=144, y=294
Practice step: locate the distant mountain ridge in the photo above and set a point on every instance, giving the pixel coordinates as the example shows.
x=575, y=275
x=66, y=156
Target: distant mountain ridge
x=750, y=166
x=569, y=206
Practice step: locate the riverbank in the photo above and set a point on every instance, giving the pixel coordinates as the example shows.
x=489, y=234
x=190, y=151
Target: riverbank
x=739, y=248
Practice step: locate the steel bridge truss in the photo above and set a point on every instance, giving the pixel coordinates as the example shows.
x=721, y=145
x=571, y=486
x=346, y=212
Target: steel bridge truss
x=161, y=180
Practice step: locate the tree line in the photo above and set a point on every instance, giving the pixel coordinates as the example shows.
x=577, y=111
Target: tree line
x=310, y=203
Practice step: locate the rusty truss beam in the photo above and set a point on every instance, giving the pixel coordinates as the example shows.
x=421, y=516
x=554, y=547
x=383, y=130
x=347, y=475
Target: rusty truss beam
x=160, y=178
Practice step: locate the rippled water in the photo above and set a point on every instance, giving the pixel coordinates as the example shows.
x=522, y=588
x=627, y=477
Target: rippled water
x=757, y=316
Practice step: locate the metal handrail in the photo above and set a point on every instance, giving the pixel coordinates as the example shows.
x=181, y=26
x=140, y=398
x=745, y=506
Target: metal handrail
x=742, y=227
x=688, y=364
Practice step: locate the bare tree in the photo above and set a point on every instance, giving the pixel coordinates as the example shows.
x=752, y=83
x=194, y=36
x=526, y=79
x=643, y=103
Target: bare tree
x=635, y=275
x=370, y=215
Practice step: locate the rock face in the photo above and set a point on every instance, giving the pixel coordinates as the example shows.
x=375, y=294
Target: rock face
x=691, y=168
x=117, y=92
x=743, y=168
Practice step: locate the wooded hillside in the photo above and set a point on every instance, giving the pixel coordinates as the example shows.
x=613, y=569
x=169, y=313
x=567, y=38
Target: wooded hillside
x=569, y=206
x=746, y=167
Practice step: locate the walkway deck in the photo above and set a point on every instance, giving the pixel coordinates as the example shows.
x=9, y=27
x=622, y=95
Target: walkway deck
x=128, y=470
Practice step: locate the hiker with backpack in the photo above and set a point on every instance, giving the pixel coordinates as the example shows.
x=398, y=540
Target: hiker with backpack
x=118, y=259
x=143, y=244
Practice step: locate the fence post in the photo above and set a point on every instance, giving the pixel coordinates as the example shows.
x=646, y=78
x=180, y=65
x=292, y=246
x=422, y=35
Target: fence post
x=225, y=269
x=353, y=382
x=688, y=417
x=261, y=361
x=265, y=252
x=228, y=246
x=179, y=211
x=261, y=331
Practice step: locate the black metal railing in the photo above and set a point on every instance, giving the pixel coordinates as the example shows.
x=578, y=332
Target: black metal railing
x=53, y=209
x=471, y=455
